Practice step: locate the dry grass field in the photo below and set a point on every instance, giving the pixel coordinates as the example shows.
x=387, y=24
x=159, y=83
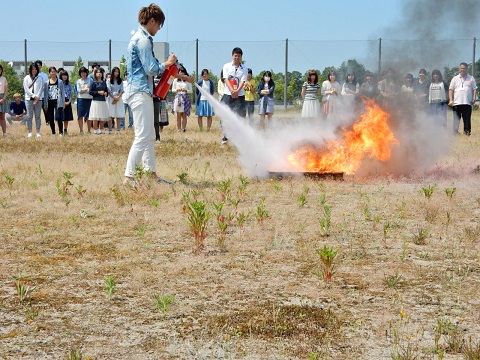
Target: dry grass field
x=94, y=269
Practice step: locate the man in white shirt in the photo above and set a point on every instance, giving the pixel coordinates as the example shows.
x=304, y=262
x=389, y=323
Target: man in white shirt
x=235, y=76
x=462, y=94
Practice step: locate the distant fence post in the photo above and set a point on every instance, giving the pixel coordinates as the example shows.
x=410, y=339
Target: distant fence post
x=196, y=70
x=286, y=77
x=379, y=56
x=196, y=59
x=110, y=56
x=25, y=55
x=473, y=62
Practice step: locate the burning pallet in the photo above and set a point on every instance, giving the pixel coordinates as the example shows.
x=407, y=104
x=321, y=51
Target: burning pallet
x=307, y=174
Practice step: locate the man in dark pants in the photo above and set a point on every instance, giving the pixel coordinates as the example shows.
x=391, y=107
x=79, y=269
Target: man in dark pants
x=235, y=76
x=462, y=94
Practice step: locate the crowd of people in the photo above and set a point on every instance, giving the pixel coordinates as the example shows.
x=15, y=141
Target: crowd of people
x=428, y=97
x=99, y=99
x=103, y=99
x=102, y=106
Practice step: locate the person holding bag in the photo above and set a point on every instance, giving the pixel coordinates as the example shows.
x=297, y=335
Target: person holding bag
x=33, y=87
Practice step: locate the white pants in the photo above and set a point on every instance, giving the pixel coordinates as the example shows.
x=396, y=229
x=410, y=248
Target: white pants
x=142, y=150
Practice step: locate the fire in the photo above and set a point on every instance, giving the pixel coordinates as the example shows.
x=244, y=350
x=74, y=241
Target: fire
x=370, y=136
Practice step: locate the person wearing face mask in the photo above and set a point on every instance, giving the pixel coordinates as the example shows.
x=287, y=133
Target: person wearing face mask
x=265, y=90
x=310, y=91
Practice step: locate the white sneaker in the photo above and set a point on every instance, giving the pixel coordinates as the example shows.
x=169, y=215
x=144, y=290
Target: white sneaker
x=53, y=135
x=38, y=135
x=29, y=135
x=60, y=135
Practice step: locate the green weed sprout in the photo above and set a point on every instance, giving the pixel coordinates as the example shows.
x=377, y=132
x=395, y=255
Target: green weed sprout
x=162, y=302
x=110, y=286
x=327, y=257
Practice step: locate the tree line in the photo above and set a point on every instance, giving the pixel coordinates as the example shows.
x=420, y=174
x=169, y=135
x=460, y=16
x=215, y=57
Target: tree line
x=295, y=78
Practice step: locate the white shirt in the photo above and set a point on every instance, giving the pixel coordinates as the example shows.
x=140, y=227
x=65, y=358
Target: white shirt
x=206, y=87
x=235, y=73
x=436, y=93
x=124, y=97
x=179, y=84
x=462, y=89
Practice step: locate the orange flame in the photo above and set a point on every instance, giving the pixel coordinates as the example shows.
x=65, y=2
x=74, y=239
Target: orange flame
x=370, y=136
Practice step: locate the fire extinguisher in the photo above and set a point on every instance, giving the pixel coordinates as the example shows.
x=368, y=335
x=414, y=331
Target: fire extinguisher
x=167, y=78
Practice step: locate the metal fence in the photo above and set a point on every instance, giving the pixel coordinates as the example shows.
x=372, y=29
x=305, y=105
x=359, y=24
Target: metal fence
x=280, y=56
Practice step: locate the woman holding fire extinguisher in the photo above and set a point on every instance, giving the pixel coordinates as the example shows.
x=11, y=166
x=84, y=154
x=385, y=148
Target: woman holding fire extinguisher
x=142, y=68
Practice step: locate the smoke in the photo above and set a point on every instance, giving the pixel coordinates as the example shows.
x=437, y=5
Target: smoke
x=261, y=152
x=429, y=35
x=421, y=142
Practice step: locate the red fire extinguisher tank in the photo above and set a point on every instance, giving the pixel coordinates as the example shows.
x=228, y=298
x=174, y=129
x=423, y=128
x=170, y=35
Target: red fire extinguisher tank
x=167, y=79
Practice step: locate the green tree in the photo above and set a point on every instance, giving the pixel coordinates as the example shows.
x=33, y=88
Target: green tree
x=279, y=93
x=294, y=88
x=214, y=78
x=449, y=73
x=74, y=74
x=44, y=69
x=123, y=66
x=348, y=66
x=15, y=84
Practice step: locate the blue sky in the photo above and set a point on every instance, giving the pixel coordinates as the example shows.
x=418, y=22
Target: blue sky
x=217, y=20
x=321, y=33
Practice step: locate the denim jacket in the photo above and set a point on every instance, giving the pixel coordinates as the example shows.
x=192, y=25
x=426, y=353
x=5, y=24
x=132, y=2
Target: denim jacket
x=271, y=88
x=141, y=64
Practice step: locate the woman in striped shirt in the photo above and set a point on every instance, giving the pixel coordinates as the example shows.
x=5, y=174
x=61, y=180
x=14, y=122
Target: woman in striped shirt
x=310, y=90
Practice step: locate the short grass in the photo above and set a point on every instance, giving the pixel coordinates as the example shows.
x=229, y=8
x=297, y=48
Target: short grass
x=405, y=263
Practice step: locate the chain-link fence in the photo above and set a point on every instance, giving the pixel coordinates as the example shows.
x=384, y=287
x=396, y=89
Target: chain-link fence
x=294, y=55
x=282, y=56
